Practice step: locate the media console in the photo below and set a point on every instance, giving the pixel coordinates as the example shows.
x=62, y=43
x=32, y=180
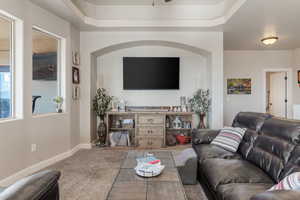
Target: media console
x=150, y=128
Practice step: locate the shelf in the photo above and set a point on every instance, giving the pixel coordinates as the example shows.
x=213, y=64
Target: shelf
x=178, y=129
x=149, y=112
x=121, y=129
x=179, y=113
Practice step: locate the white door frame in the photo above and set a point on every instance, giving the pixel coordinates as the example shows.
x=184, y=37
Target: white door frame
x=289, y=89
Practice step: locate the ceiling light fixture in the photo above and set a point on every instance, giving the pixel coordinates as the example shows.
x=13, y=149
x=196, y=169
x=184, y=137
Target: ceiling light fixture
x=269, y=40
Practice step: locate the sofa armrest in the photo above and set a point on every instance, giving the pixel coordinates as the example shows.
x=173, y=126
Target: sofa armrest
x=42, y=185
x=277, y=195
x=204, y=136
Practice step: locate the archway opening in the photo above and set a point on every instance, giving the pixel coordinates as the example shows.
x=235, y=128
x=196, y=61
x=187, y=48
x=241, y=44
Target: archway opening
x=144, y=43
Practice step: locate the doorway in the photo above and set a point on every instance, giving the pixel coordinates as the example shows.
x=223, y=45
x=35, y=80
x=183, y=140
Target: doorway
x=277, y=93
x=276, y=96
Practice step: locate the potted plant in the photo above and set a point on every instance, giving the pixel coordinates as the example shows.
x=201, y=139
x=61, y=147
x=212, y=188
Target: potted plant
x=200, y=104
x=58, y=101
x=102, y=104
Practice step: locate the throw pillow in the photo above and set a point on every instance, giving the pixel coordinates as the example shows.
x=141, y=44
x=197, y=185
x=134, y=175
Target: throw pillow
x=229, y=138
x=291, y=182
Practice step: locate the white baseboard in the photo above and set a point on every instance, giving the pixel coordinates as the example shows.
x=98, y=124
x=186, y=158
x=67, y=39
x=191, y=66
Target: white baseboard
x=41, y=165
x=85, y=146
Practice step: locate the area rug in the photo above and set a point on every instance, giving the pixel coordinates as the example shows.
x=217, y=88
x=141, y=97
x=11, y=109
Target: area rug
x=90, y=174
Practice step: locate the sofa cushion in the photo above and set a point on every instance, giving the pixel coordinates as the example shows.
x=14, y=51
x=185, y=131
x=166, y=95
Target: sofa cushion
x=203, y=136
x=250, y=120
x=274, y=145
x=229, y=138
x=208, y=151
x=243, y=191
x=222, y=171
x=277, y=195
x=42, y=185
x=293, y=164
x=253, y=122
x=291, y=182
x=247, y=143
x=2, y=189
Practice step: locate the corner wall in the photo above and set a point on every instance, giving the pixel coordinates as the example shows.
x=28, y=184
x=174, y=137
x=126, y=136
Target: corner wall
x=53, y=134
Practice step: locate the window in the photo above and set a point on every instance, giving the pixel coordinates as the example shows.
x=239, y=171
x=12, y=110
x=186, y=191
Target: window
x=6, y=68
x=46, y=71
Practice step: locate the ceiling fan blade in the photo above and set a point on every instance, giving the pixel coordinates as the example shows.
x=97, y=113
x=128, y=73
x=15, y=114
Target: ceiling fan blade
x=167, y=1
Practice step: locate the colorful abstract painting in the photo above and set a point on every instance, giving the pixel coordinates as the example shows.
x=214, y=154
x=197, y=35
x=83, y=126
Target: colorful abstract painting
x=239, y=86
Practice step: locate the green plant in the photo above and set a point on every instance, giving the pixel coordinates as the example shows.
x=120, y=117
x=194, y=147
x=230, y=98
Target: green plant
x=200, y=102
x=58, y=100
x=102, y=102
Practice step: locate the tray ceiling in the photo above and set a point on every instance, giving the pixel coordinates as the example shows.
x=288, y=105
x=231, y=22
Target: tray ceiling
x=141, y=13
x=244, y=22
x=149, y=2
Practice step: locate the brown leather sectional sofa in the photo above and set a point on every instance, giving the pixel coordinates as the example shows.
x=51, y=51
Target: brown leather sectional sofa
x=40, y=186
x=270, y=151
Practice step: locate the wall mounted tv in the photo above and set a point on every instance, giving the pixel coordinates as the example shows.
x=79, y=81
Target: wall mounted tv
x=151, y=73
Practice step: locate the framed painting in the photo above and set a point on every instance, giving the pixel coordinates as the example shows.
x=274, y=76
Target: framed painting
x=75, y=75
x=239, y=86
x=76, y=92
x=76, y=58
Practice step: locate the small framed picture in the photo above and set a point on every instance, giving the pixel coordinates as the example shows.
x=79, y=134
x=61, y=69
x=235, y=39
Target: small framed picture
x=76, y=58
x=76, y=92
x=75, y=75
x=239, y=86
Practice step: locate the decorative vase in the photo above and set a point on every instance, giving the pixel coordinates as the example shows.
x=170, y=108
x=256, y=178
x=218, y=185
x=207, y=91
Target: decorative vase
x=58, y=108
x=177, y=123
x=102, y=132
x=202, y=123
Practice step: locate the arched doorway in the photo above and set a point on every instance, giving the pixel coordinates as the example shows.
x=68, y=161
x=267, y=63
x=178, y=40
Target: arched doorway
x=125, y=45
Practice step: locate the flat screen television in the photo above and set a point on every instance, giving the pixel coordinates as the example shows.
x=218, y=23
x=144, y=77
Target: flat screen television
x=151, y=73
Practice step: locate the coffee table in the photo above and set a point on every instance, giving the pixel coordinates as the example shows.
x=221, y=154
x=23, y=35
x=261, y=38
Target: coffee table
x=129, y=186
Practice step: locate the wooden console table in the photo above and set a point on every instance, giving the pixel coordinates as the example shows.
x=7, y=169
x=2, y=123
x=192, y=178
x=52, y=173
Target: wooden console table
x=149, y=129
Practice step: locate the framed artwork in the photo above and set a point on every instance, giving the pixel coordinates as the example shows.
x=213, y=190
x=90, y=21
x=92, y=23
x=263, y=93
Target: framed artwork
x=76, y=92
x=239, y=86
x=299, y=77
x=75, y=75
x=76, y=58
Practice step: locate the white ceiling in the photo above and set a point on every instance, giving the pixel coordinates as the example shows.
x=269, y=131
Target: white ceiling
x=170, y=15
x=149, y=2
x=242, y=31
x=261, y=18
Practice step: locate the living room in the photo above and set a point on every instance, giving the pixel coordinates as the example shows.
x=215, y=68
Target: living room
x=235, y=49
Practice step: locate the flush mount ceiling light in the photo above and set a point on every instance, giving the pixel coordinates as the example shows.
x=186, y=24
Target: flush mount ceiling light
x=269, y=40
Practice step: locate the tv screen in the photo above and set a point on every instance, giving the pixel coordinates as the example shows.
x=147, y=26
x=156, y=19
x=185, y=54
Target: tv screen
x=151, y=73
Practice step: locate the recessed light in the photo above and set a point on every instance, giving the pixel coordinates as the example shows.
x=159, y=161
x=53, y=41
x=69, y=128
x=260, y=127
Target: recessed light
x=269, y=40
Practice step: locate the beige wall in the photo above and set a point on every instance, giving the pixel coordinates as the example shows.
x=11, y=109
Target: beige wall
x=296, y=67
x=4, y=54
x=251, y=64
x=75, y=106
x=53, y=134
x=4, y=58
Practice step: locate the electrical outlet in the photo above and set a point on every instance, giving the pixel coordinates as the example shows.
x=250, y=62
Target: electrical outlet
x=33, y=147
